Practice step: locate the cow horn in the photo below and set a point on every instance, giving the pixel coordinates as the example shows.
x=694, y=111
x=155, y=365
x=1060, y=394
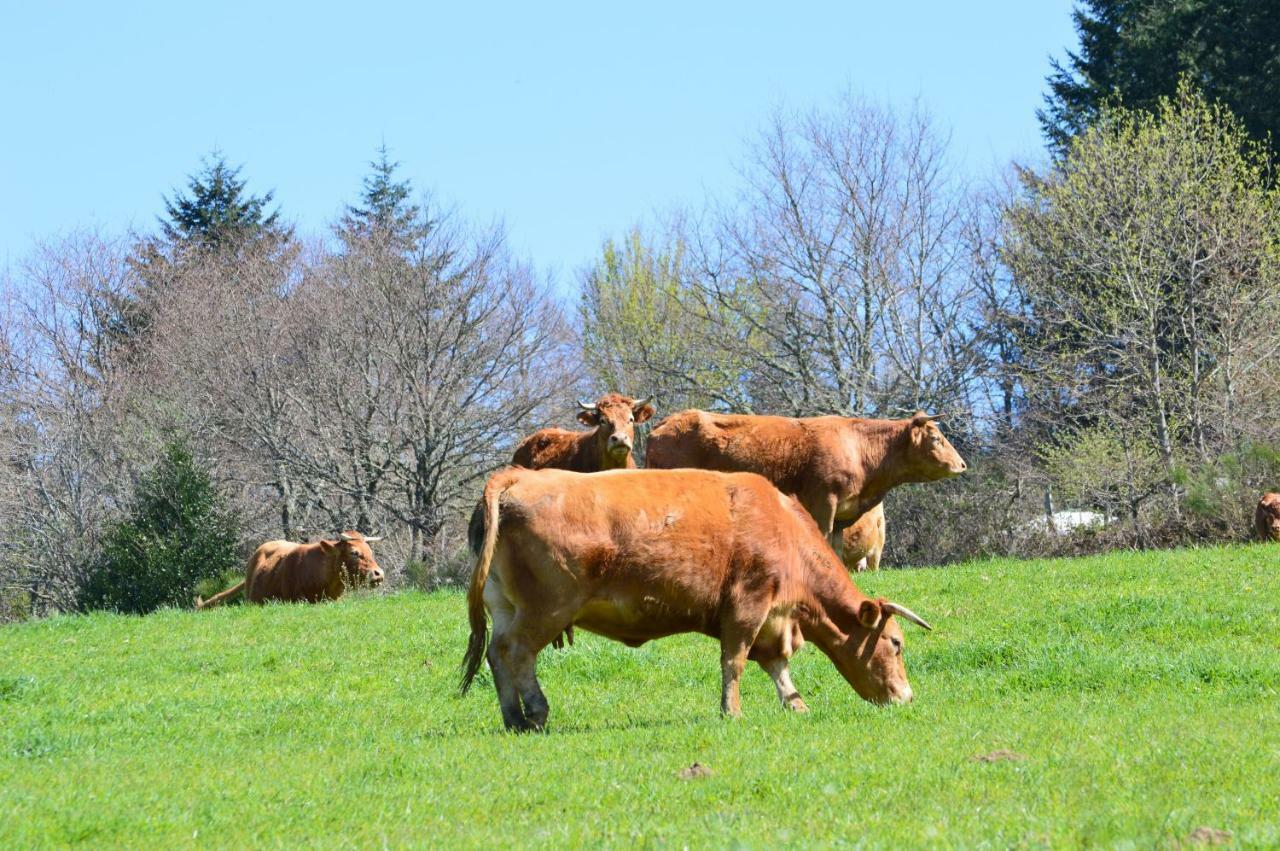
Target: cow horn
x=586, y=406
x=904, y=612
x=343, y=536
x=368, y=540
x=646, y=400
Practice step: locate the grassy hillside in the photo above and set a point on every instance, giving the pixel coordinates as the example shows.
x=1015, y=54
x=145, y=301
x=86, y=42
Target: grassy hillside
x=1139, y=695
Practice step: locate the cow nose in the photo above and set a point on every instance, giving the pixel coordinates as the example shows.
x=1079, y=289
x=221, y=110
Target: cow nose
x=903, y=696
x=375, y=575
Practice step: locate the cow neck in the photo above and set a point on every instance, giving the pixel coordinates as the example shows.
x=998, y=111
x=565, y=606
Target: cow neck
x=337, y=572
x=831, y=610
x=878, y=441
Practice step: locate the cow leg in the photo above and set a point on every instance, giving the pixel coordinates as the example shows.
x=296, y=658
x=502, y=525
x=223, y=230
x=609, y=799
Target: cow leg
x=508, y=698
x=872, y=561
x=823, y=509
x=528, y=637
x=779, y=671
x=503, y=613
x=736, y=639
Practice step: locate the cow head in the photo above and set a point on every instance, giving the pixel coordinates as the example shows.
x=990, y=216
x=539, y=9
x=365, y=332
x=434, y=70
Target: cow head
x=354, y=558
x=615, y=417
x=930, y=455
x=870, y=657
x=1268, y=517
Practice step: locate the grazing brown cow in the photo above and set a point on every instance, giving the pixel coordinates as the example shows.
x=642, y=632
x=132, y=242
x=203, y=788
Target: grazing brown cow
x=640, y=554
x=292, y=573
x=606, y=447
x=864, y=541
x=1266, y=517
x=838, y=467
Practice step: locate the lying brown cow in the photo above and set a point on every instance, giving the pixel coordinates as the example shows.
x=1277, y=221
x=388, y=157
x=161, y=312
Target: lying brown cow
x=292, y=573
x=1266, y=517
x=606, y=447
x=838, y=467
x=640, y=554
x=864, y=541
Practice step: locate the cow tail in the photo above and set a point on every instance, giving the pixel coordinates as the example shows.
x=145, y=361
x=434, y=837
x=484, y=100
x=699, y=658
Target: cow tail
x=484, y=540
x=221, y=597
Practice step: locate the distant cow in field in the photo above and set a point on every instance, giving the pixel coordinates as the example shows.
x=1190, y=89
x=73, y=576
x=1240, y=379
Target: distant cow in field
x=1266, y=517
x=635, y=555
x=606, y=447
x=838, y=467
x=292, y=573
x=864, y=541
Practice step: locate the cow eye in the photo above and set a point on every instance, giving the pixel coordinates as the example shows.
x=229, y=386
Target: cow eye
x=897, y=645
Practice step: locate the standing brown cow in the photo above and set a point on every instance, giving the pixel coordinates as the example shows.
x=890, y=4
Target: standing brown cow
x=635, y=555
x=864, y=541
x=606, y=447
x=1266, y=517
x=292, y=573
x=838, y=467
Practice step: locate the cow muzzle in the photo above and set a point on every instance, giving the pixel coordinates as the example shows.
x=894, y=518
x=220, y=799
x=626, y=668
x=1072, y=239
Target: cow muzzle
x=376, y=576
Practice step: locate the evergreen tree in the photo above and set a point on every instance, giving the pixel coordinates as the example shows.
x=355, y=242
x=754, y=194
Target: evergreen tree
x=384, y=216
x=218, y=211
x=217, y=220
x=177, y=534
x=1135, y=51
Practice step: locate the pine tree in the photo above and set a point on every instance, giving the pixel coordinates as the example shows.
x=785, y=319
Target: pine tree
x=1135, y=51
x=384, y=216
x=218, y=211
x=177, y=534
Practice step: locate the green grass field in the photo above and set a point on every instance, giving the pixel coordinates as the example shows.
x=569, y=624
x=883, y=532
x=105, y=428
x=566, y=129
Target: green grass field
x=1142, y=692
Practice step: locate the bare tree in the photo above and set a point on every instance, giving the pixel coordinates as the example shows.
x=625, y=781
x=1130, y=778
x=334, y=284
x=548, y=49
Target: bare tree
x=843, y=259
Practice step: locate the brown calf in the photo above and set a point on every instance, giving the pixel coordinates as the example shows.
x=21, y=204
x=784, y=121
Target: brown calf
x=1266, y=517
x=606, y=447
x=291, y=573
x=864, y=541
x=838, y=467
x=635, y=555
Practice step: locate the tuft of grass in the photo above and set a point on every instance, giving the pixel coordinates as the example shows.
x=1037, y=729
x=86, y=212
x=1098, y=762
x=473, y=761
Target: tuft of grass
x=1122, y=700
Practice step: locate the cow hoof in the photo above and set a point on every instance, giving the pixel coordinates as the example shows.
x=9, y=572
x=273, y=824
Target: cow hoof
x=795, y=704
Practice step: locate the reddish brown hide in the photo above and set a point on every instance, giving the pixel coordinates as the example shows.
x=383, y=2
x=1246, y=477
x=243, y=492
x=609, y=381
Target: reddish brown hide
x=640, y=554
x=838, y=467
x=291, y=573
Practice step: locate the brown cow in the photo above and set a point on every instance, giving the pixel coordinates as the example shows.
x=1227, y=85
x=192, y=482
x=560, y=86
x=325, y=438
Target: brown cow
x=292, y=573
x=640, y=554
x=606, y=447
x=1266, y=517
x=864, y=541
x=838, y=467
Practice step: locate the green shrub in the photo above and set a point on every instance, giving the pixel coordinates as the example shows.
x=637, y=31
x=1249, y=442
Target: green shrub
x=177, y=534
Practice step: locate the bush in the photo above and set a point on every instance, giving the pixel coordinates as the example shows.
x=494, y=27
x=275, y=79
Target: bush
x=178, y=534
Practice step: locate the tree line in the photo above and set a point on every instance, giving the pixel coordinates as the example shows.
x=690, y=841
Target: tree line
x=1098, y=332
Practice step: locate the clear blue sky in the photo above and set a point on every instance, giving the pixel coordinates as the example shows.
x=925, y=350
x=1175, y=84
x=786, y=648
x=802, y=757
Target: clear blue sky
x=568, y=121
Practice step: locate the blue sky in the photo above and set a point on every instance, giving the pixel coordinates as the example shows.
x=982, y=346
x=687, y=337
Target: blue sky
x=567, y=121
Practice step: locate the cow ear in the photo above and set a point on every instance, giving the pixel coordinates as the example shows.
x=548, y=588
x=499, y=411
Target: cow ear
x=643, y=413
x=869, y=613
x=588, y=418
x=328, y=546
